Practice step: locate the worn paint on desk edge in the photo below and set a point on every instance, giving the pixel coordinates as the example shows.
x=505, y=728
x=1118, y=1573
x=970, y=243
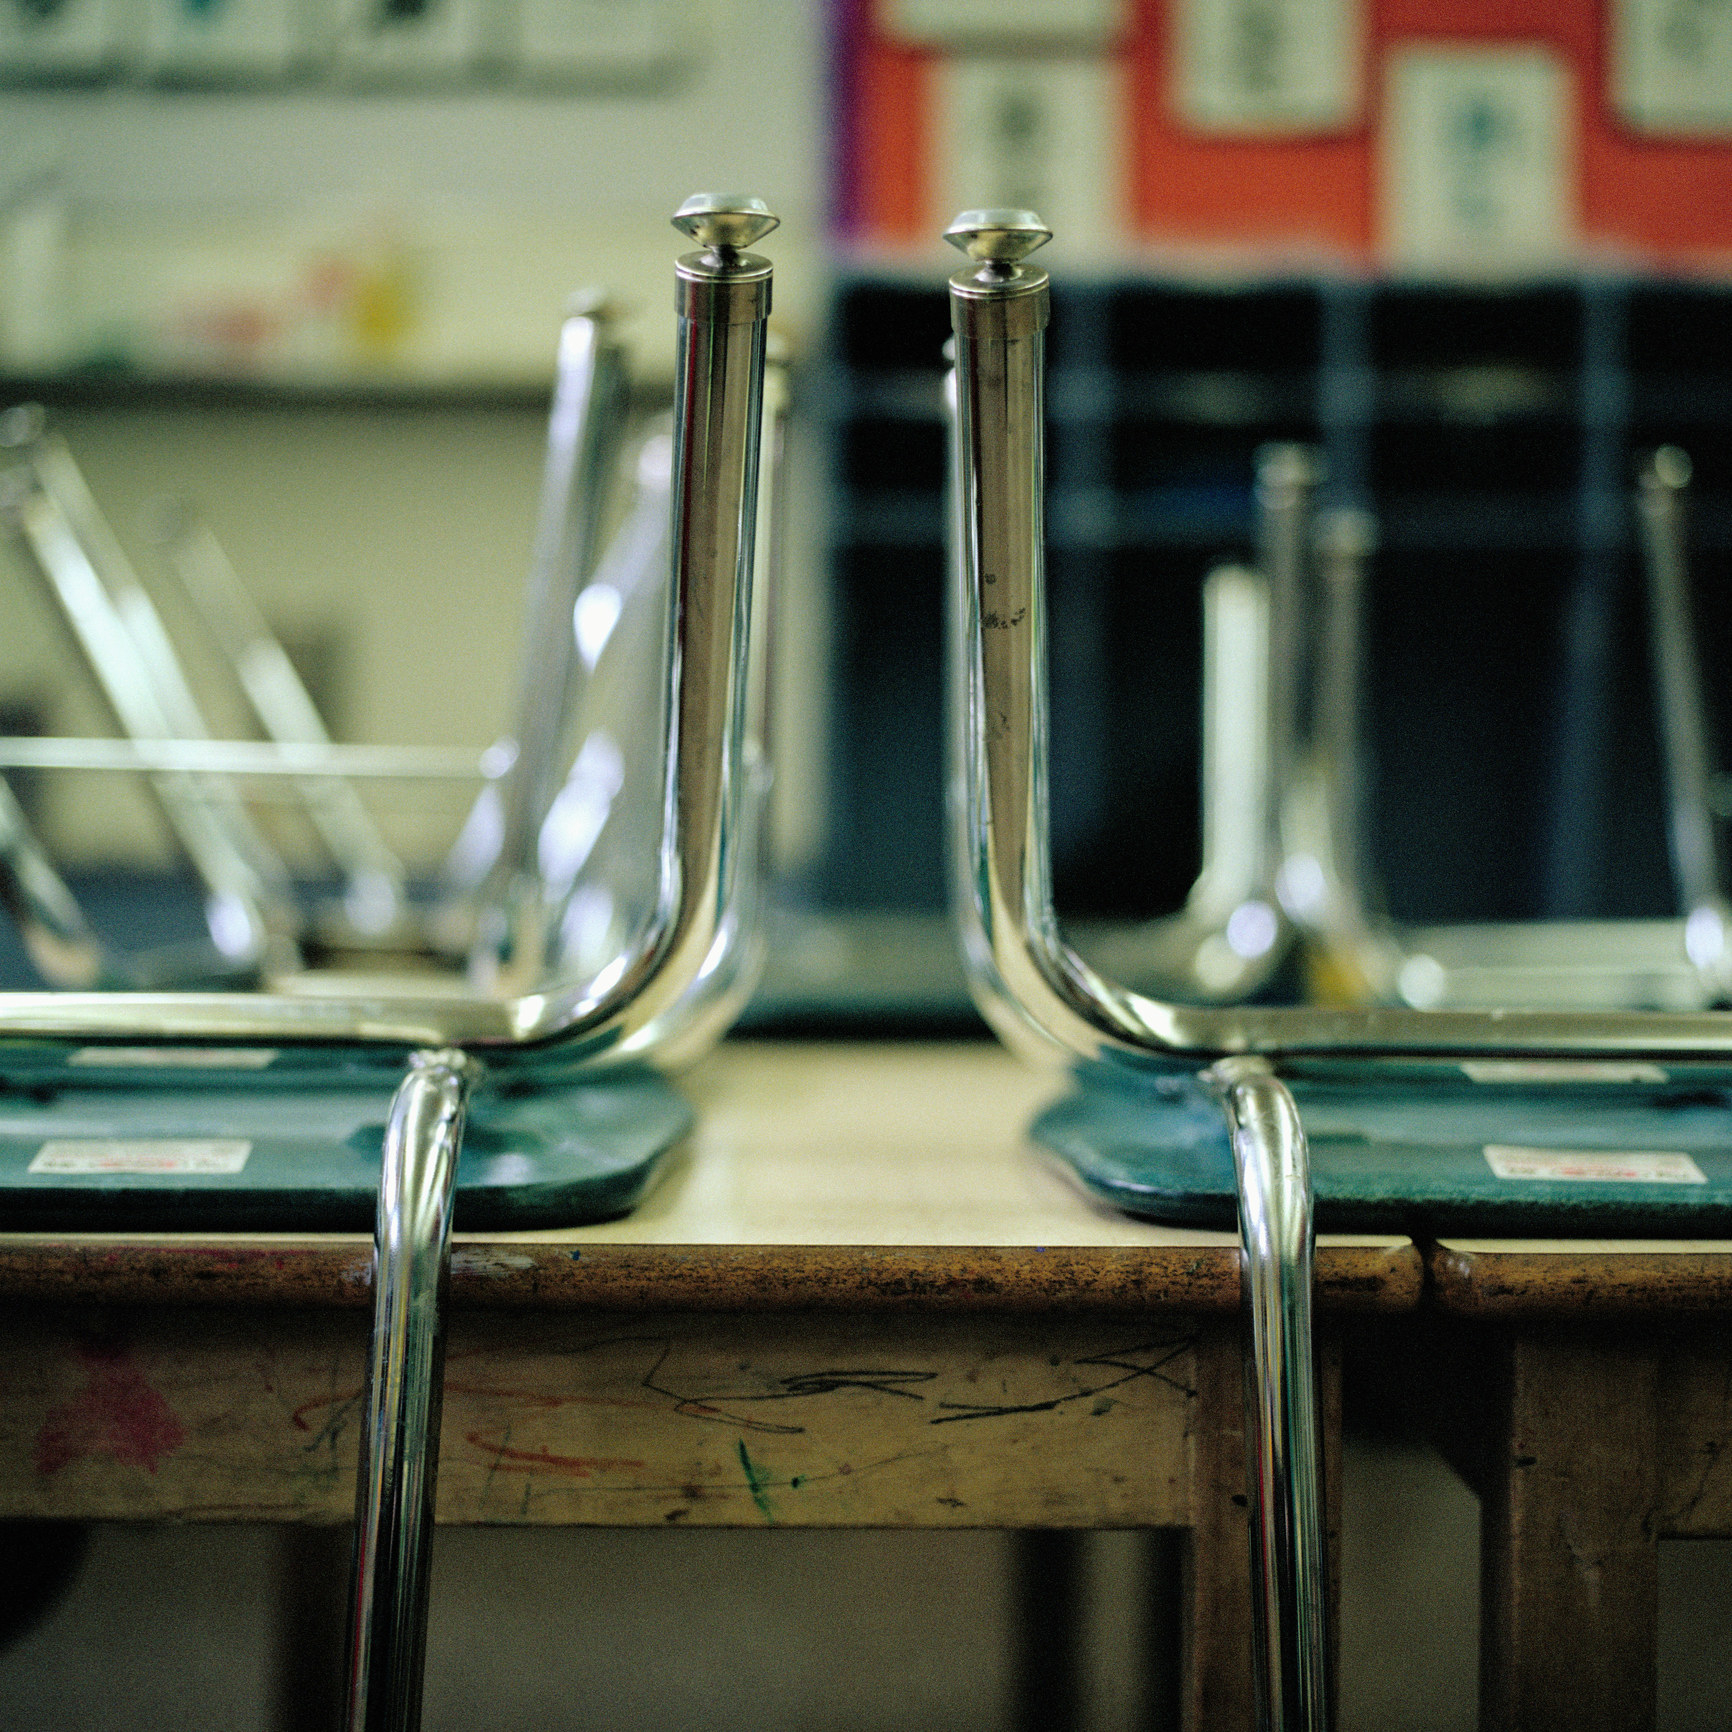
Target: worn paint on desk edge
x=1365, y=1273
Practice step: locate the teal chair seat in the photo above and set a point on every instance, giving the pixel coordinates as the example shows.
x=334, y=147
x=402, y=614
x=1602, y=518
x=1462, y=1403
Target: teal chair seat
x=290, y=1140
x=1524, y=1150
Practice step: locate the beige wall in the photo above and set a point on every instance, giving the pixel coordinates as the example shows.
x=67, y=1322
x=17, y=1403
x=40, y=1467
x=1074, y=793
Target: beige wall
x=394, y=545
x=398, y=540
x=504, y=202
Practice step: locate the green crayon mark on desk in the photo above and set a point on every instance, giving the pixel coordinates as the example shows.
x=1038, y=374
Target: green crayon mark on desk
x=756, y=1481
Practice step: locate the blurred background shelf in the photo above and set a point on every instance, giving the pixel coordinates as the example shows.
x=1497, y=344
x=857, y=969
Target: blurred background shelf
x=100, y=389
x=1493, y=431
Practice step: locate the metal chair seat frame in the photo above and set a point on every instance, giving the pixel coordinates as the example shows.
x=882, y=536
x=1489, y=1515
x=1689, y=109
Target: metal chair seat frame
x=1044, y=1000
x=1282, y=821
x=1679, y=963
x=673, y=988
x=488, y=909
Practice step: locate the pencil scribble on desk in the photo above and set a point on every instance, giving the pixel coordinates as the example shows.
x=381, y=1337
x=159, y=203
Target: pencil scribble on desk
x=1121, y=1360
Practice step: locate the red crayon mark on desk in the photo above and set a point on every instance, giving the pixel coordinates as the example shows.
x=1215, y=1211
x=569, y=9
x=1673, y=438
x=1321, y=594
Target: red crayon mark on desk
x=528, y=1398
x=544, y=1461
x=116, y=1414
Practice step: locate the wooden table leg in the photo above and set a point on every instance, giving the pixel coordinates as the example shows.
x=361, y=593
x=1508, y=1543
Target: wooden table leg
x=1048, y=1629
x=1218, y=1691
x=313, y=1583
x=1216, y=1680
x=1569, y=1524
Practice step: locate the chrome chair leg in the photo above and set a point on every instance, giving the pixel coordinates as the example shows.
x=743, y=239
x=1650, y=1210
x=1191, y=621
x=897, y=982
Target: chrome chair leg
x=1283, y=1462
x=1698, y=863
x=56, y=937
x=405, y=1373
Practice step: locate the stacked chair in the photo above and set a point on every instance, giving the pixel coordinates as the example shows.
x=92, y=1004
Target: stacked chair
x=1284, y=883
x=1353, y=951
x=1366, y=1110
x=328, y=1082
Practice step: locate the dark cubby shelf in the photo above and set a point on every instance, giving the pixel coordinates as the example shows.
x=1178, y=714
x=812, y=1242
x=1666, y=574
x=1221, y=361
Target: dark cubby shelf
x=1495, y=433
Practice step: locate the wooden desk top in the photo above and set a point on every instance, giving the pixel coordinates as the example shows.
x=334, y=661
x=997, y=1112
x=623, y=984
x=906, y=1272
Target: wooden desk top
x=1579, y=1277
x=838, y=1175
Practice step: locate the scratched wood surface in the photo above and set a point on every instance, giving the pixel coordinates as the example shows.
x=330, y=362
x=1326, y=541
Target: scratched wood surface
x=714, y=1419
x=848, y=1176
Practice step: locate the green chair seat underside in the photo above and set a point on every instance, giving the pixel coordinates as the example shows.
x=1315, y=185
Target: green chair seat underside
x=237, y=1158
x=1427, y=1151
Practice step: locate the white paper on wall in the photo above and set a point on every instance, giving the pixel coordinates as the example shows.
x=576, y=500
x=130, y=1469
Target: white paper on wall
x=233, y=38
x=579, y=39
x=1671, y=65
x=65, y=38
x=1477, y=158
x=1267, y=66
x=1045, y=135
x=949, y=23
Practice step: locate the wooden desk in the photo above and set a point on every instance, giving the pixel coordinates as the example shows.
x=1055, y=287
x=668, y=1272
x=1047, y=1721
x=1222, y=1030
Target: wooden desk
x=857, y=1298
x=1585, y=1391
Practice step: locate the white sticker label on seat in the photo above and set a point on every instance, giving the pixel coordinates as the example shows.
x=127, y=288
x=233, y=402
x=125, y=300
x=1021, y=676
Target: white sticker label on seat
x=1560, y=1070
x=142, y=1155
x=1593, y=1166
x=174, y=1057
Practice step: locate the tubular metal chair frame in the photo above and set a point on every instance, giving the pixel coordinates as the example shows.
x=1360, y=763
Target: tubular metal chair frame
x=661, y=984
x=52, y=515
x=1679, y=963
x=1044, y=1000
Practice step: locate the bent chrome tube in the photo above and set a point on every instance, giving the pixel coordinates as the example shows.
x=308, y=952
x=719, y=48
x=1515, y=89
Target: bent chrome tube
x=724, y=298
x=1352, y=956
x=375, y=893
x=1357, y=956
x=249, y=906
x=55, y=934
x=1680, y=963
x=399, y=1465
x=118, y=630
x=1029, y=983
x=1230, y=936
x=1697, y=863
x=597, y=848
x=61, y=944
x=731, y=972
x=1289, y=1601
x=586, y=428
x=249, y=758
